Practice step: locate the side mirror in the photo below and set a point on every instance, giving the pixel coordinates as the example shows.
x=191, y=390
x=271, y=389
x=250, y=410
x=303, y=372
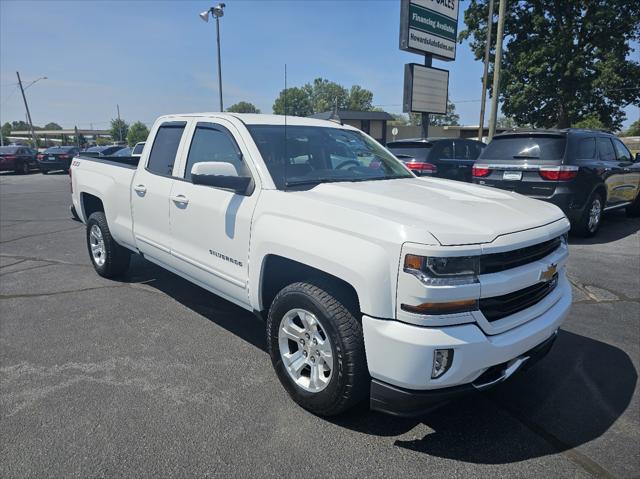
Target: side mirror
x=637, y=158
x=220, y=175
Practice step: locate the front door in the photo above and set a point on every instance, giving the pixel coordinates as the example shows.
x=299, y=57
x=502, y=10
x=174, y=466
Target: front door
x=613, y=172
x=631, y=171
x=151, y=191
x=210, y=226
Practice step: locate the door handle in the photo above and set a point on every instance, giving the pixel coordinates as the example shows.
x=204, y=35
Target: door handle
x=181, y=199
x=140, y=188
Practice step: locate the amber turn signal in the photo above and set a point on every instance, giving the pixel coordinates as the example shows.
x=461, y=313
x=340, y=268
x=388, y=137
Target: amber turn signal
x=412, y=261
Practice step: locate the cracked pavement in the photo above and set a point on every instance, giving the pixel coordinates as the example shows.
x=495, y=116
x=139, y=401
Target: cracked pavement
x=153, y=376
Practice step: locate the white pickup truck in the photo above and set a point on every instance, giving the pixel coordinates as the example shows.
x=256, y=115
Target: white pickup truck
x=373, y=283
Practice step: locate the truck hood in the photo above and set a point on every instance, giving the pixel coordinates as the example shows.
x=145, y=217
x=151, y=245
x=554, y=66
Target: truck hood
x=455, y=213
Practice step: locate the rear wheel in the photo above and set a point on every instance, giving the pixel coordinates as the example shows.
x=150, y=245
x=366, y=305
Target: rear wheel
x=589, y=222
x=317, y=348
x=108, y=258
x=23, y=168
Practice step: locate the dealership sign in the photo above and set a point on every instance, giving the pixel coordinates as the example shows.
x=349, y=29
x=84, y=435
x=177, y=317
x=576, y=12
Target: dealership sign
x=429, y=27
x=425, y=89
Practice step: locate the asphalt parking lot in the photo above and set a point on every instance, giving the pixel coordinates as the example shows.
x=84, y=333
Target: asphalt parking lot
x=153, y=376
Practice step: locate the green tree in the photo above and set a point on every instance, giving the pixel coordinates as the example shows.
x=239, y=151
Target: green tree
x=119, y=129
x=563, y=59
x=450, y=118
x=360, y=99
x=591, y=122
x=326, y=95
x=296, y=100
x=52, y=126
x=506, y=122
x=633, y=130
x=137, y=132
x=6, y=131
x=243, y=107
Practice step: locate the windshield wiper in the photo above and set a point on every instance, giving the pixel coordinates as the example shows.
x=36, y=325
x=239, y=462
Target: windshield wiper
x=525, y=157
x=314, y=181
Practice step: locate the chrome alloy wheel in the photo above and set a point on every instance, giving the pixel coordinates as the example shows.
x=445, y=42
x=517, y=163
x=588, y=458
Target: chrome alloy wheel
x=595, y=214
x=305, y=350
x=98, y=250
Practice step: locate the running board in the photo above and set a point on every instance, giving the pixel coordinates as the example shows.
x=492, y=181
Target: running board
x=619, y=205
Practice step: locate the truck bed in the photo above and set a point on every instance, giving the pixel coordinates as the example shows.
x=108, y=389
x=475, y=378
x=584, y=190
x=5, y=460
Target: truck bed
x=124, y=161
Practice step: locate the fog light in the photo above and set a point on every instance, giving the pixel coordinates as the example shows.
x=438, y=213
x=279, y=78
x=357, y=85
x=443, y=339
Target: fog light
x=442, y=359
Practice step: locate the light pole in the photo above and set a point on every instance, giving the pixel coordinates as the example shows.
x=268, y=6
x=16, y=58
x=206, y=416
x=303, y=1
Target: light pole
x=217, y=12
x=26, y=106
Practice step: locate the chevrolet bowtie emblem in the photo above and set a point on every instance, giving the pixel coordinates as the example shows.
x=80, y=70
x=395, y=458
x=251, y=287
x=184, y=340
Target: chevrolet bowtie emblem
x=549, y=273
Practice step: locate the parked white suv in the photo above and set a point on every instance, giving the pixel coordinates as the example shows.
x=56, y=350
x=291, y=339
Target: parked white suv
x=373, y=282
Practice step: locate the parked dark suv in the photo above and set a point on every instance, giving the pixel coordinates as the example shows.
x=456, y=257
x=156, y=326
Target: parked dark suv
x=450, y=158
x=584, y=172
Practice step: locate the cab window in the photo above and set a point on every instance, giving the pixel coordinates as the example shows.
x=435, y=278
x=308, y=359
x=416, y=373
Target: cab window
x=605, y=149
x=213, y=143
x=165, y=148
x=586, y=149
x=622, y=152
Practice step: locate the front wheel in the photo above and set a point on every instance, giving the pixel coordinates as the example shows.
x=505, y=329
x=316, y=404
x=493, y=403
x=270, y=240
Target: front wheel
x=589, y=222
x=317, y=348
x=23, y=169
x=633, y=209
x=108, y=258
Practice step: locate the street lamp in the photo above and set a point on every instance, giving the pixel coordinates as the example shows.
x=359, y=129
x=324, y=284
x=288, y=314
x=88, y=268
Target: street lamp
x=217, y=12
x=35, y=81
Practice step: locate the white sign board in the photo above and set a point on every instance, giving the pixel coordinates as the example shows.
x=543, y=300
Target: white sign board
x=429, y=27
x=425, y=89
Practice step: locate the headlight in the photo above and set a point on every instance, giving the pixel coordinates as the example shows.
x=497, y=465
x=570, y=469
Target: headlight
x=436, y=271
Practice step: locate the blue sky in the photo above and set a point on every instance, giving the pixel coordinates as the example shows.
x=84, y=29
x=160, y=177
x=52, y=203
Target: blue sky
x=158, y=57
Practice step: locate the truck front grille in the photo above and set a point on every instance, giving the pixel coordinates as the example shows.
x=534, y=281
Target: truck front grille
x=498, y=307
x=496, y=262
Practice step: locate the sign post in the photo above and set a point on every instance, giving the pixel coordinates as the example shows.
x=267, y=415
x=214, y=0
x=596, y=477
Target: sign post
x=429, y=28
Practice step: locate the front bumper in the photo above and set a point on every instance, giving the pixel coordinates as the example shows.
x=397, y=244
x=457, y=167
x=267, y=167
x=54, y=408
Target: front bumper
x=398, y=401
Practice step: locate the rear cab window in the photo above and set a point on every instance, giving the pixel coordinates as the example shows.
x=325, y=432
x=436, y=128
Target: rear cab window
x=530, y=147
x=165, y=148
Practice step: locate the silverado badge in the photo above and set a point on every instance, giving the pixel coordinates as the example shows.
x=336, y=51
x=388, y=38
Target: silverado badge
x=548, y=274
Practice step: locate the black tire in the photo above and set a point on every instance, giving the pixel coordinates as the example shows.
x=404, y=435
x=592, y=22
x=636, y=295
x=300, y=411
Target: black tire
x=633, y=210
x=116, y=257
x=23, y=169
x=339, y=318
x=583, y=227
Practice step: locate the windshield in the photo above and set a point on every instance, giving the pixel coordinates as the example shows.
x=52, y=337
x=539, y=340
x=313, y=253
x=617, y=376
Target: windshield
x=535, y=147
x=405, y=150
x=311, y=155
x=138, y=149
x=123, y=152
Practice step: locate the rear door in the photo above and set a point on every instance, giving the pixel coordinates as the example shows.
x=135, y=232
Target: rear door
x=210, y=227
x=612, y=171
x=630, y=169
x=151, y=190
x=514, y=161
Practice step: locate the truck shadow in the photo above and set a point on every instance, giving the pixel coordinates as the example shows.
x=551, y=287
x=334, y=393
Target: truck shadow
x=571, y=397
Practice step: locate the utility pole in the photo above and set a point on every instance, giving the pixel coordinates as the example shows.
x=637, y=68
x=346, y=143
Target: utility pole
x=119, y=122
x=496, y=70
x=487, y=49
x=428, y=60
x=219, y=61
x=33, y=133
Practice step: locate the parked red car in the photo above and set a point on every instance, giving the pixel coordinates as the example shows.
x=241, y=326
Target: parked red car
x=17, y=158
